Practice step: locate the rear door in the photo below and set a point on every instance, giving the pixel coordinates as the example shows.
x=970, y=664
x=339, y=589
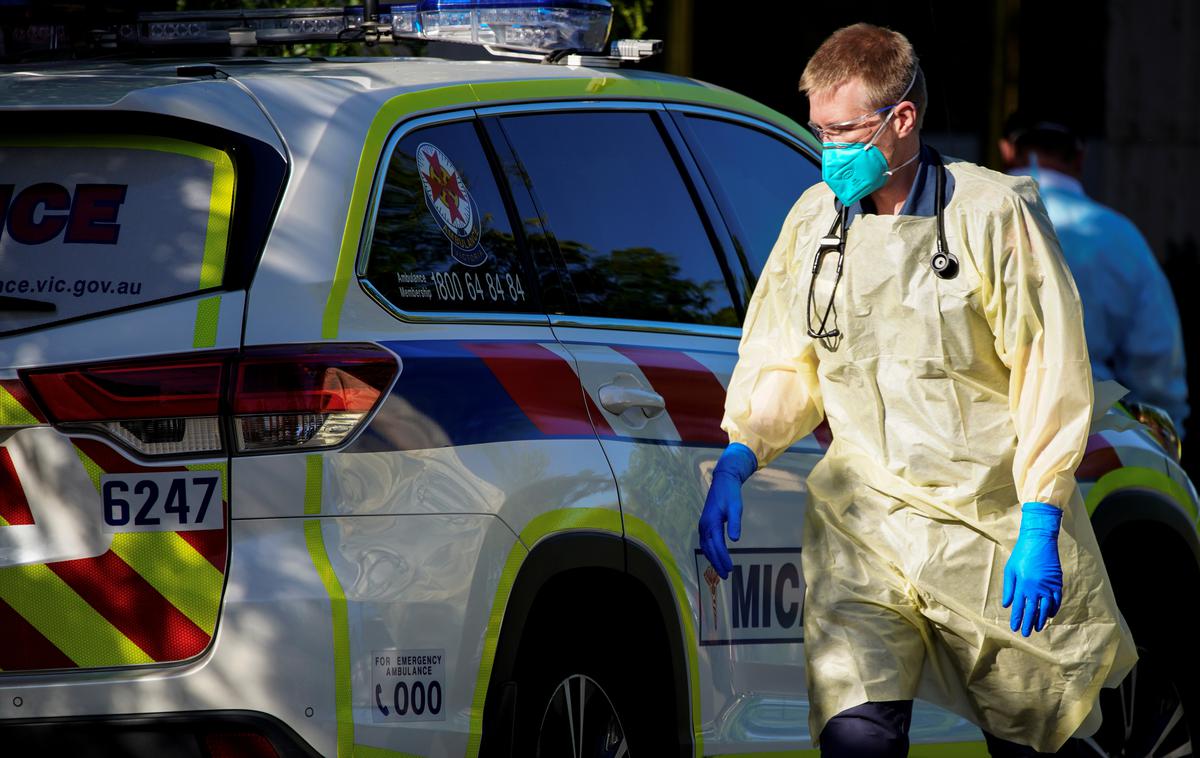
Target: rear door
x=657, y=296
x=122, y=263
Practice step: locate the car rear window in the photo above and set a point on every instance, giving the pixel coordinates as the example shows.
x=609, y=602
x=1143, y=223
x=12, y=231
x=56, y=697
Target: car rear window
x=442, y=239
x=93, y=224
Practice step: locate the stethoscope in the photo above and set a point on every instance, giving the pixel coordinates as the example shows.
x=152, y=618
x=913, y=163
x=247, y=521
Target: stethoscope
x=944, y=263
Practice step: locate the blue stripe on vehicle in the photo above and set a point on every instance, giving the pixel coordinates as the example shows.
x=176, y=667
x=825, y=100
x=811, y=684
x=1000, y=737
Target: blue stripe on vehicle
x=445, y=396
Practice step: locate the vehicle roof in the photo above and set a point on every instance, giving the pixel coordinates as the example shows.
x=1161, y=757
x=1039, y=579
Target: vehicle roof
x=146, y=84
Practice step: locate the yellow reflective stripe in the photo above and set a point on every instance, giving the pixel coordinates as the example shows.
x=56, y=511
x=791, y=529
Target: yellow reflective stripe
x=312, y=484
x=39, y=596
x=571, y=519
x=180, y=574
x=220, y=211
x=1139, y=477
x=337, y=608
x=208, y=313
x=4, y=522
x=12, y=413
x=516, y=556
x=626, y=85
x=341, y=636
x=92, y=468
x=645, y=534
x=567, y=519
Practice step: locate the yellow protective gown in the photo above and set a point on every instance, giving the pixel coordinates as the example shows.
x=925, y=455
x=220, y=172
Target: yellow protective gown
x=951, y=402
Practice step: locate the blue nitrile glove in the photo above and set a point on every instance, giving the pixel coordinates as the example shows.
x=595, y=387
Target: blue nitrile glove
x=1033, y=577
x=724, y=503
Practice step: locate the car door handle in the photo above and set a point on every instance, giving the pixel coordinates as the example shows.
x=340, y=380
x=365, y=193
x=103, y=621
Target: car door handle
x=617, y=399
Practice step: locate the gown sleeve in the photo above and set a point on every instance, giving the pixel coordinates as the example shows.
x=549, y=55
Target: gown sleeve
x=774, y=397
x=1035, y=315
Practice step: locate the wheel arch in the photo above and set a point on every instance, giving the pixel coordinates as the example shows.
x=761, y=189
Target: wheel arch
x=1150, y=549
x=1146, y=511
x=583, y=556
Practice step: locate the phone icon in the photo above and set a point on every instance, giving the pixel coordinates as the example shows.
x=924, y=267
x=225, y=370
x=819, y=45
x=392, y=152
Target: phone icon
x=379, y=701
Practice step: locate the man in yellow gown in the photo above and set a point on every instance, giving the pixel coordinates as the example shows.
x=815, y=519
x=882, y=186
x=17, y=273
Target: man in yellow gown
x=923, y=307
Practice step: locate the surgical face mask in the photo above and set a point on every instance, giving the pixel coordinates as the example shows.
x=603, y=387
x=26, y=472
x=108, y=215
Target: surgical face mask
x=854, y=170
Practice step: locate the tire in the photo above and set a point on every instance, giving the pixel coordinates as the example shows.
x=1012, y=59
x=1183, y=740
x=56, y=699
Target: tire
x=618, y=676
x=1155, y=712
x=1151, y=715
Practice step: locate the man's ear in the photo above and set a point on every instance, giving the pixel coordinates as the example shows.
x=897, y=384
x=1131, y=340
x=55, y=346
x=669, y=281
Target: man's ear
x=905, y=118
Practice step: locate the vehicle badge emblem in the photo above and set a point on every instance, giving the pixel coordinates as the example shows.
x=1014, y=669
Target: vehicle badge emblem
x=450, y=203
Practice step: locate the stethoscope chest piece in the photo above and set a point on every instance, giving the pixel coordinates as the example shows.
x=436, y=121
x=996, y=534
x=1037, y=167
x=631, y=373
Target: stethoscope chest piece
x=944, y=264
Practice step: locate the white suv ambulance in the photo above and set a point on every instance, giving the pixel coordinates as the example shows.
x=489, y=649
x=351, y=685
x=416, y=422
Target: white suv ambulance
x=367, y=407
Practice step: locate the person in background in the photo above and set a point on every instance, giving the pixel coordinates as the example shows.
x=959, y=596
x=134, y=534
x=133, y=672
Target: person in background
x=1129, y=314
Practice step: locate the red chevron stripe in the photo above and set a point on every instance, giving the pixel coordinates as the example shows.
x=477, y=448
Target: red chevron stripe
x=695, y=398
x=131, y=604
x=541, y=384
x=25, y=648
x=14, y=506
x=22, y=396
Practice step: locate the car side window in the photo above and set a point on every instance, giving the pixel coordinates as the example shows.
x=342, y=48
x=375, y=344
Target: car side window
x=442, y=239
x=626, y=224
x=759, y=176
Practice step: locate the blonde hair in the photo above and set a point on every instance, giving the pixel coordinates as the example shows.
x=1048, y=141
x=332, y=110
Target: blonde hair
x=883, y=59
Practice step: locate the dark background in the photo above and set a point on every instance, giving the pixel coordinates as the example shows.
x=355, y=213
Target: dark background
x=1125, y=73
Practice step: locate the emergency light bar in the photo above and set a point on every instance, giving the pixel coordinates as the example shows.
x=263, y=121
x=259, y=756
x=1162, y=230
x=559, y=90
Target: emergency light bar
x=535, y=26
x=545, y=26
x=249, y=27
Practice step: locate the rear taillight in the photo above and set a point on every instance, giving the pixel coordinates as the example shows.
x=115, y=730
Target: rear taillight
x=284, y=400
x=266, y=399
x=165, y=407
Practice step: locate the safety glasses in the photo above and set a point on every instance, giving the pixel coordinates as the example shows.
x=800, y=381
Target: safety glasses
x=833, y=132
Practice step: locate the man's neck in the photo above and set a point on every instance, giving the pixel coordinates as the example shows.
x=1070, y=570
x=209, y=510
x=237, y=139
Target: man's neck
x=889, y=200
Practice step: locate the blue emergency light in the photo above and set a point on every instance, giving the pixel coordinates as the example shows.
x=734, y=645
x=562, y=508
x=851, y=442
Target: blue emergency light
x=534, y=25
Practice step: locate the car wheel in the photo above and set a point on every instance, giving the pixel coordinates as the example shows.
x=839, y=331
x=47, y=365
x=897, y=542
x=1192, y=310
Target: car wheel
x=1150, y=715
x=581, y=720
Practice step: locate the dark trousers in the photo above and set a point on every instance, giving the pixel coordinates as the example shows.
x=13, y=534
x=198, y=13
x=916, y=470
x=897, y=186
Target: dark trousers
x=880, y=730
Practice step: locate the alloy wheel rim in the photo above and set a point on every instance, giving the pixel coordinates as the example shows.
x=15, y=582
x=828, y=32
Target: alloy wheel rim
x=1152, y=719
x=580, y=721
